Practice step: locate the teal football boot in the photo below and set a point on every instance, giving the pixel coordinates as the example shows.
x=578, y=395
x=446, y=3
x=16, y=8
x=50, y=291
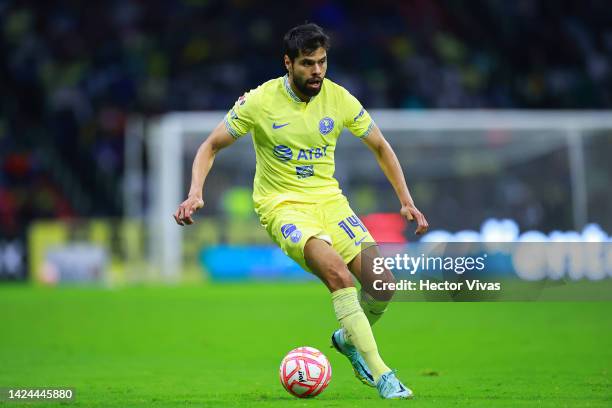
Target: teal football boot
x=362, y=372
x=389, y=387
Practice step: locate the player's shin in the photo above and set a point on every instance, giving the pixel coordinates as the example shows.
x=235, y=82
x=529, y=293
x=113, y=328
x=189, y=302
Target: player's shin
x=373, y=298
x=372, y=307
x=357, y=329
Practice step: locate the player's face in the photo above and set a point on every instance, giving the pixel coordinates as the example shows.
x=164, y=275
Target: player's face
x=307, y=71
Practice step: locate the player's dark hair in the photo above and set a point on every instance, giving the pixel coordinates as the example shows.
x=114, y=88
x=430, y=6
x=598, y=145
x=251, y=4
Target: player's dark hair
x=306, y=38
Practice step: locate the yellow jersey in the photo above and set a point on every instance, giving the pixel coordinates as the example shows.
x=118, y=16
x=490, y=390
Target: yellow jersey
x=295, y=141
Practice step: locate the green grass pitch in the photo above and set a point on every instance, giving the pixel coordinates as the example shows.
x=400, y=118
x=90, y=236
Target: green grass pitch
x=220, y=346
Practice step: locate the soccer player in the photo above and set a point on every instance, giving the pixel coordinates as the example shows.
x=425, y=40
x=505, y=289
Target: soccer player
x=295, y=121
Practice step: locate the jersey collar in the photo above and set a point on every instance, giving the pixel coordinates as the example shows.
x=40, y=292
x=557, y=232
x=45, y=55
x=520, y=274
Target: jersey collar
x=292, y=94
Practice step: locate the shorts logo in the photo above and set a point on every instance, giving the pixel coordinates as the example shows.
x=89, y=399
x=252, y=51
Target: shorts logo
x=291, y=231
x=326, y=125
x=282, y=153
x=287, y=229
x=304, y=171
x=296, y=236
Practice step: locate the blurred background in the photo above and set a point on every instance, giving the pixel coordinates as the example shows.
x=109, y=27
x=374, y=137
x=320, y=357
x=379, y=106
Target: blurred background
x=498, y=111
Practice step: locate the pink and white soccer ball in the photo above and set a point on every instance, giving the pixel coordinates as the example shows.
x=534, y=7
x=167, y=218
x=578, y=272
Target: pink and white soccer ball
x=305, y=372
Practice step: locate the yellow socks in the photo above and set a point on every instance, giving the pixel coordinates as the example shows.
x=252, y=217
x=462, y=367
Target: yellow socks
x=357, y=329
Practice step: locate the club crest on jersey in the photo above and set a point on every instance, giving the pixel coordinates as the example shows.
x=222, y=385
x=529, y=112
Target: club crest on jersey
x=326, y=125
x=282, y=153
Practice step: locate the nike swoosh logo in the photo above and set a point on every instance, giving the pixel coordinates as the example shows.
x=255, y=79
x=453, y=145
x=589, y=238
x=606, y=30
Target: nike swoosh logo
x=366, y=372
x=402, y=389
x=360, y=241
x=275, y=126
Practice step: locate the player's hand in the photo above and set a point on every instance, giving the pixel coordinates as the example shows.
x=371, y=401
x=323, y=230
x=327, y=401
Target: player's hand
x=413, y=214
x=187, y=208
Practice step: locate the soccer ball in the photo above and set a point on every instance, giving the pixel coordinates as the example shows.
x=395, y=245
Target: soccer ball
x=305, y=372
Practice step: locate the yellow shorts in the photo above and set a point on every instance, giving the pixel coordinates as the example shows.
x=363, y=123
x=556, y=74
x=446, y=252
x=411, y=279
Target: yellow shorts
x=291, y=225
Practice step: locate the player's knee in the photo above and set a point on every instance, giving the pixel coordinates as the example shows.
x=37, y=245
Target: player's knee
x=376, y=280
x=388, y=284
x=327, y=265
x=336, y=276
x=381, y=287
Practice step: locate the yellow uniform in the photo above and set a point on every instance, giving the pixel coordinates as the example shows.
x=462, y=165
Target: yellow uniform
x=295, y=193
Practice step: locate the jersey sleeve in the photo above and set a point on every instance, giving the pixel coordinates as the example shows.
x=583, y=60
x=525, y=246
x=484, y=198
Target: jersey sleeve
x=356, y=118
x=241, y=117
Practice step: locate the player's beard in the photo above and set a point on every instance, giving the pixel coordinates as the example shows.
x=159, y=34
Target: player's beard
x=302, y=85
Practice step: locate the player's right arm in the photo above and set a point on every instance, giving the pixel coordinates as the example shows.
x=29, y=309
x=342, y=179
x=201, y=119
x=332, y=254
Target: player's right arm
x=218, y=139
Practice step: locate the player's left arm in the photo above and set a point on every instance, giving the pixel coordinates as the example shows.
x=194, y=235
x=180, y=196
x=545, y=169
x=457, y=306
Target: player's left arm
x=388, y=162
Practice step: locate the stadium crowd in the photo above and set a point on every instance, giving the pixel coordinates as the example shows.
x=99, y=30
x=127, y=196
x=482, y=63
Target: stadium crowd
x=72, y=72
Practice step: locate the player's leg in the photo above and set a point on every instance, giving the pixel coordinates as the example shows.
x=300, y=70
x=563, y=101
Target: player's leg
x=325, y=262
x=349, y=236
x=373, y=302
x=358, y=249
